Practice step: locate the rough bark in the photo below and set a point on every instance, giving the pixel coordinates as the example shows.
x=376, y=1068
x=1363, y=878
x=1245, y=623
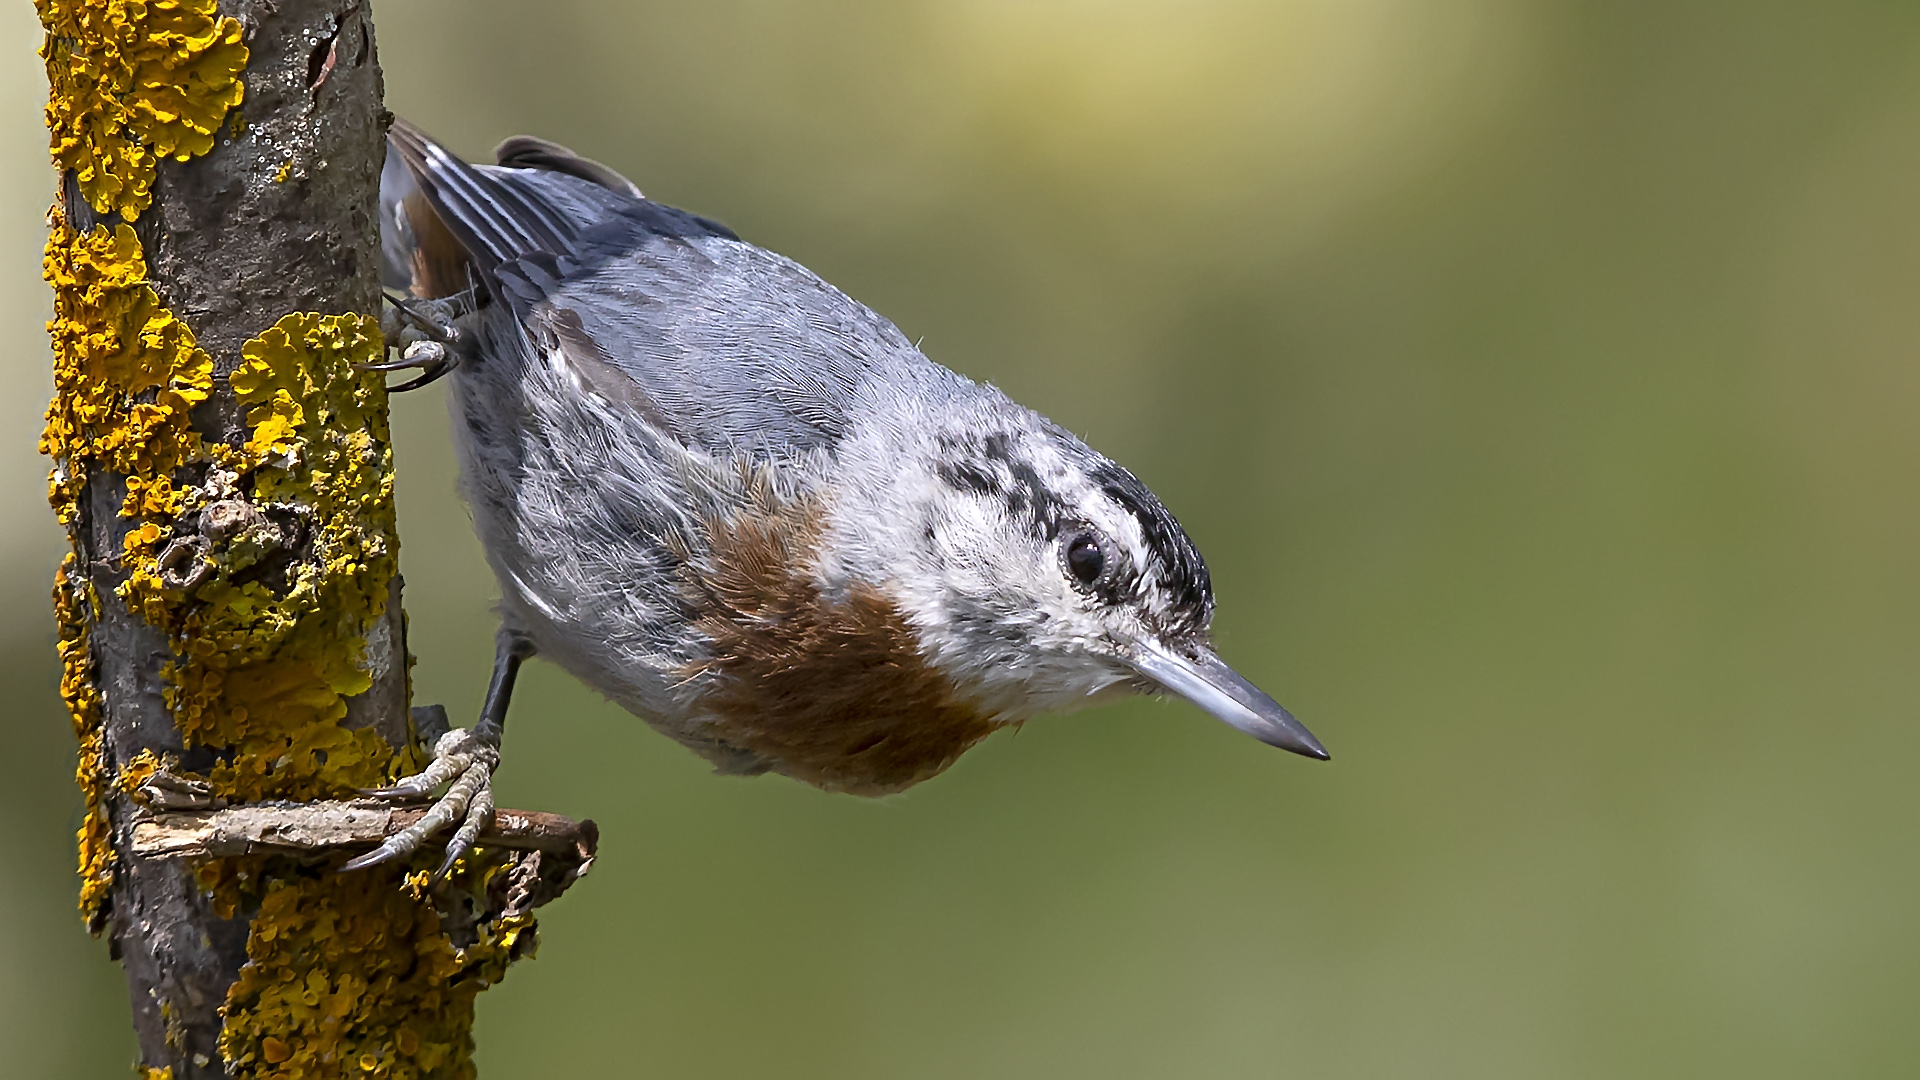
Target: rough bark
x=230, y=255
x=255, y=215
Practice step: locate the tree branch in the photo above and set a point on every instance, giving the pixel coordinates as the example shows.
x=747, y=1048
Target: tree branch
x=230, y=619
x=341, y=825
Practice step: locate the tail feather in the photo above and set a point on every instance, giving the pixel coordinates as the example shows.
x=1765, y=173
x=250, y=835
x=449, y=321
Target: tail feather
x=448, y=224
x=491, y=233
x=537, y=221
x=527, y=152
x=495, y=221
x=418, y=253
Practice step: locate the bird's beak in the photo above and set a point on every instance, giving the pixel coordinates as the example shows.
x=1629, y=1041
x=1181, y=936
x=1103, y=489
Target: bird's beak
x=1204, y=679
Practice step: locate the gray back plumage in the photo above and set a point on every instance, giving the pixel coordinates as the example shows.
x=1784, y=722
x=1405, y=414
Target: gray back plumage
x=724, y=344
x=732, y=343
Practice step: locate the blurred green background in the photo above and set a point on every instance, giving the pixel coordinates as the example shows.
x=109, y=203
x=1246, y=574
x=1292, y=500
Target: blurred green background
x=1539, y=380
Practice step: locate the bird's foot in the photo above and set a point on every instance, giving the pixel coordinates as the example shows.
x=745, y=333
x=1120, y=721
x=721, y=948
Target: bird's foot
x=428, y=335
x=464, y=761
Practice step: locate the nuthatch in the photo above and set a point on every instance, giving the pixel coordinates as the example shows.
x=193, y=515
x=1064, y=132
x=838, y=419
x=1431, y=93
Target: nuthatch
x=745, y=507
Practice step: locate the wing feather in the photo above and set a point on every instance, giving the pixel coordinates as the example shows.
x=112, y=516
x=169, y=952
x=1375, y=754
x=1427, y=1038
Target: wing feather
x=719, y=343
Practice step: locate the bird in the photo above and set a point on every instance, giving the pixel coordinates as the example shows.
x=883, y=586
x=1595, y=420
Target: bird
x=745, y=507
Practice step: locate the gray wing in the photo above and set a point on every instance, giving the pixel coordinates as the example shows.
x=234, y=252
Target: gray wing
x=718, y=342
x=729, y=344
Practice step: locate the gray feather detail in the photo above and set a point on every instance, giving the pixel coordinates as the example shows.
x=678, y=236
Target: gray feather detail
x=733, y=345
x=586, y=512
x=568, y=204
x=496, y=220
x=396, y=232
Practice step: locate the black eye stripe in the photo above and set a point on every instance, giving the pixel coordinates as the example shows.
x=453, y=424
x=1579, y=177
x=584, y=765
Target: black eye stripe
x=1161, y=574
x=1183, y=572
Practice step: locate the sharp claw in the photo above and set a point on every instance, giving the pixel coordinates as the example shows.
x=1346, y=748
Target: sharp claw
x=446, y=865
x=402, y=364
x=429, y=377
x=436, y=344
x=479, y=815
x=406, y=307
x=372, y=858
x=395, y=792
x=442, y=329
x=431, y=358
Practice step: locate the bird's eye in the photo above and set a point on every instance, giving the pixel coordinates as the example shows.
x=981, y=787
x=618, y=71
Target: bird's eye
x=1084, y=557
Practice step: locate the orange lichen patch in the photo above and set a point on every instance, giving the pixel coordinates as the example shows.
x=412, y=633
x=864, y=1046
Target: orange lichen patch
x=274, y=641
x=267, y=566
x=347, y=981
x=72, y=607
x=132, y=82
x=138, y=771
x=126, y=374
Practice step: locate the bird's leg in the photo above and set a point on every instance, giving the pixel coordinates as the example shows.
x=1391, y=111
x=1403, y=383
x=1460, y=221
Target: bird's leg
x=465, y=759
x=428, y=336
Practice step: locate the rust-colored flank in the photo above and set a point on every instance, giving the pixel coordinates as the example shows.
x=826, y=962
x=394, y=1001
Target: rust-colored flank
x=834, y=693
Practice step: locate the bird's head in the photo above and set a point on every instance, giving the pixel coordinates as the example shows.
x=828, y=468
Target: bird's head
x=1041, y=576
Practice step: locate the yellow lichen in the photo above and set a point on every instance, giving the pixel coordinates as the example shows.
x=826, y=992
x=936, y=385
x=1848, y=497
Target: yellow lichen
x=344, y=981
x=346, y=975
x=269, y=615
x=269, y=659
x=126, y=375
x=132, y=82
x=72, y=603
x=138, y=771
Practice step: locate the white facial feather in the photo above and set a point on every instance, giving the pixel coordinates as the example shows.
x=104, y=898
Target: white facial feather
x=987, y=591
